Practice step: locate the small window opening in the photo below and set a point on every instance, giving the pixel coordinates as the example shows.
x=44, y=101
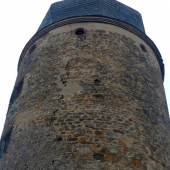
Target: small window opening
x=79, y=31
x=98, y=156
x=143, y=48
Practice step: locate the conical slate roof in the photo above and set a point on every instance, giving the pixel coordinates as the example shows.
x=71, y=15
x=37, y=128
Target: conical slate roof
x=112, y=9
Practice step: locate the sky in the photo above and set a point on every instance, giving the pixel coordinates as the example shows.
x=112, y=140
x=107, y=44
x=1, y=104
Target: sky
x=20, y=19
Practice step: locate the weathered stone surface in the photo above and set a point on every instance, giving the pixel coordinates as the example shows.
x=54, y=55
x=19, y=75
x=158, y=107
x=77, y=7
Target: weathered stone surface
x=92, y=101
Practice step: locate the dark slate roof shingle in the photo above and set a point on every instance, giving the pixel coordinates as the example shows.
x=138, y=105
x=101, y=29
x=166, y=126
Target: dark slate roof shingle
x=106, y=8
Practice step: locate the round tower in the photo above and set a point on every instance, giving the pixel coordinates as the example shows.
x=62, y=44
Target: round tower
x=89, y=94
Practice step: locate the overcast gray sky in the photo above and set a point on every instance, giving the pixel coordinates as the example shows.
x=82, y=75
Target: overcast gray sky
x=20, y=19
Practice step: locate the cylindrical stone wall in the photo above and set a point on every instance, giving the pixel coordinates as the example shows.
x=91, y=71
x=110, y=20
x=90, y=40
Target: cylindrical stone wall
x=88, y=96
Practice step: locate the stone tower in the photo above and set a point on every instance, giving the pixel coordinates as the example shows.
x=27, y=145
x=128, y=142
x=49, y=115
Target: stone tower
x=89, y=94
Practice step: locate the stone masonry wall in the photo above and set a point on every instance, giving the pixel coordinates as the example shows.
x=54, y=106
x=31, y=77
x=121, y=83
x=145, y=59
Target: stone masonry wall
x=88, y=96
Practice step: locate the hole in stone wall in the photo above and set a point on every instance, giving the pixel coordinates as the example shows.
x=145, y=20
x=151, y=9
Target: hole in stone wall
x=98, y=156
x=79, y=31
x=59, y=138
x=97, y=82
x=63, y=79
x=143, y=48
